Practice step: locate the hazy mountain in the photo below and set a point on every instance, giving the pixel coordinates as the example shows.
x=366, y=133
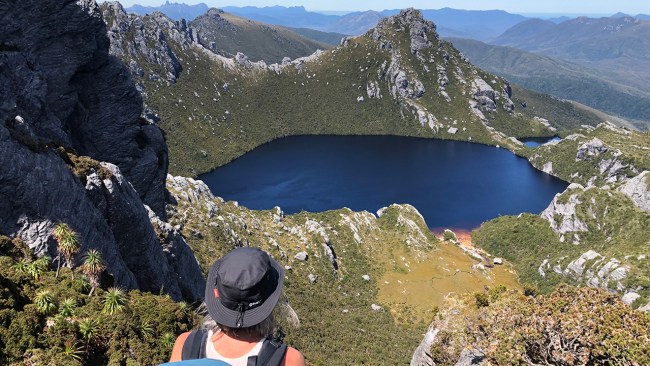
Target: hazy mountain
x=451, y=22
x=558, y=20
x=230, y=34
x=331, y=38
x=559, y=78
x=478, y=24
x=619, y=48
x=638, y=16
x=175, y=11
x=527, y=29
x=294, y=16
x=356, y=23
x=620, y=15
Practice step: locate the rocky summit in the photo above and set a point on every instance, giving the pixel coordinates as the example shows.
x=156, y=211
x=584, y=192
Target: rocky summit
x=76, y=149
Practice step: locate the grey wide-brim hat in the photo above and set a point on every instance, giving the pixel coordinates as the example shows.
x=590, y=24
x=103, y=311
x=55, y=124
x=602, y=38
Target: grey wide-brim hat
x=249, y=284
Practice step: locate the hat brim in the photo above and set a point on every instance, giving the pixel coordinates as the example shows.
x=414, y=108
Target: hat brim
x=228, y=317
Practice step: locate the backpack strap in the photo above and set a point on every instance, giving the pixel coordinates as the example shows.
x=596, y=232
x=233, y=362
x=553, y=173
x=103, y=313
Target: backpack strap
x=194, y=346
x=271, y=354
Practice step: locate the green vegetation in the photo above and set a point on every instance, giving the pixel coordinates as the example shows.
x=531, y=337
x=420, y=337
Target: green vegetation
x=93, y=266
x=216, y=112
x=54, y=321
x=629, y=148
x=68, y=245
x=258, y=41
x=567, y=327
x=82, y=166
x=561, y=114
x=616, y=228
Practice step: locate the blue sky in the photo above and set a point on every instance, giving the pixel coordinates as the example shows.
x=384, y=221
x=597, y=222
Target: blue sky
x=513, y=6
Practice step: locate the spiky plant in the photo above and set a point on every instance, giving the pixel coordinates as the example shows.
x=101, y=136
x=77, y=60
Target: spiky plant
x=183, y=306
x=93, y=265
x=60, y=231
x=68, y=307
x=167, y=340
x=21, y=267
x=114, y=300
x=81, y=283
x=72, y=350
x=45, y=302
x=146, y=330
x=68, y=245
x=38, y=267
x=89, y=328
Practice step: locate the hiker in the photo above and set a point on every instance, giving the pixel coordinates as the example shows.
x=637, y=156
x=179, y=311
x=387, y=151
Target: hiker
x=241, y=293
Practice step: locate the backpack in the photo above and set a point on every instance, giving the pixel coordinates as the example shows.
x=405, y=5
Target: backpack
x=271, y=354
x=198, y=362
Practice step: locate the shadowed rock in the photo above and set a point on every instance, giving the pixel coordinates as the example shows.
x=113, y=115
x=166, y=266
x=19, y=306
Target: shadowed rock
x=61, y=93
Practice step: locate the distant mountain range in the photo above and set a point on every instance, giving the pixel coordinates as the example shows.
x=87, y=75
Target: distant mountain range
x=482, y=25
x=176, y=11
x=603, y=63
x=450, y=22
x=618, y=47
x=560, y=78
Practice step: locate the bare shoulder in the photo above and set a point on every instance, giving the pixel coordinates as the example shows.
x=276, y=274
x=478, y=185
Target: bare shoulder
x=294, y=358
x=177, y=351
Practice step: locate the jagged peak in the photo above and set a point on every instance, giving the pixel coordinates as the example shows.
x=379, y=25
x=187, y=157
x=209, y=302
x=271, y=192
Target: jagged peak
x=421, y=31
x=115, y=6
x=214, y=12
x=409, y=17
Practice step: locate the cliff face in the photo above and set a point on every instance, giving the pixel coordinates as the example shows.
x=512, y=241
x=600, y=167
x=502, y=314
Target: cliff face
x=63, y=96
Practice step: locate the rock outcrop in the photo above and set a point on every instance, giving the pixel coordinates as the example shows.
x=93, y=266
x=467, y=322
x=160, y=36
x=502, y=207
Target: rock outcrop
x=66, y=106
x=562, y=216
x=638, y=189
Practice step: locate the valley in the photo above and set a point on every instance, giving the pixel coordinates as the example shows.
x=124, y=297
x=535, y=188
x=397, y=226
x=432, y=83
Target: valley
x=109, y=120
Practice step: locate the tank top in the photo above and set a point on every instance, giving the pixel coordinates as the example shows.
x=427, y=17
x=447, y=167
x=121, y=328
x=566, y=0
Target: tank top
x=211, y=352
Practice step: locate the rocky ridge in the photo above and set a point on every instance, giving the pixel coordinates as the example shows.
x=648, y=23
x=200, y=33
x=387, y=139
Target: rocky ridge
x=77, y=150
x=583, y=157
x=227, y=34
x=404, y=82
x=579, y=212
x=399, y=78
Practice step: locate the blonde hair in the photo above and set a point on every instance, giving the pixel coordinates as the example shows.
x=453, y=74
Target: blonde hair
x=282, y=315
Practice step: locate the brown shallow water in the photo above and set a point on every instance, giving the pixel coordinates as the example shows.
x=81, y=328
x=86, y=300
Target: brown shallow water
x=440, y=272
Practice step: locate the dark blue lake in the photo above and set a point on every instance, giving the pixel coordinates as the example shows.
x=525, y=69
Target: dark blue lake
x=538, y=141
x=453, y=184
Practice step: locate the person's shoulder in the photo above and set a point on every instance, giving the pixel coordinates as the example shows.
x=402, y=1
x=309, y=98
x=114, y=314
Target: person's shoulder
x=294, y=358
x=177, y=351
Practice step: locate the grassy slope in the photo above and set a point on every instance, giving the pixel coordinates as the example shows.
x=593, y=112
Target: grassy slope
x=337, y=321
x=330, y=38
x=617, y=228
x=261, y=105
x=258, y=41
x=568, y=326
